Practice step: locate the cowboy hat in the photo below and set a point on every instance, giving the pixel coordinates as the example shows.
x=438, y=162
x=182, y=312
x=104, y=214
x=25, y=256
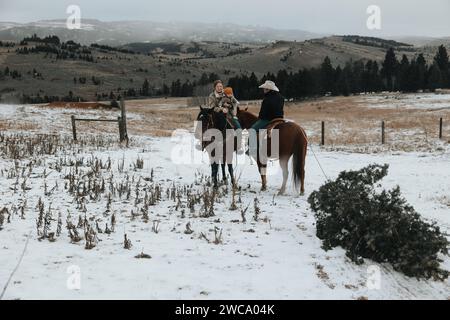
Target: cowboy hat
x=269, y=85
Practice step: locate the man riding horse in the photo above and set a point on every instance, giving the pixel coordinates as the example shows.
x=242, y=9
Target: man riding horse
x=271, y=109
x=291, y=140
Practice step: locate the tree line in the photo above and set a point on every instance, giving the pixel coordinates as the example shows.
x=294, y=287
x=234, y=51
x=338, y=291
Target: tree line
x=392, y=74
x=406, y=75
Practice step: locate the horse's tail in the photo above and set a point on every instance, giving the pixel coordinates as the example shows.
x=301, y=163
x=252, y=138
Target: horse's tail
x=298, y=159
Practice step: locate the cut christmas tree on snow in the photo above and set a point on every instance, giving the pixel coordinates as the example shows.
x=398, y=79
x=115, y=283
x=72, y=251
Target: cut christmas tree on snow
x=378, y=225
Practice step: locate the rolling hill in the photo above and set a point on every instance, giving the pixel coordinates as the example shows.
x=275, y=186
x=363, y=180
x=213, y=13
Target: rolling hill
x=88, y=71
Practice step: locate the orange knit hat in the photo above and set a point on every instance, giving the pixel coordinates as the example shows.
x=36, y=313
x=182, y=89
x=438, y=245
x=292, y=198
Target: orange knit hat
x=228, y=91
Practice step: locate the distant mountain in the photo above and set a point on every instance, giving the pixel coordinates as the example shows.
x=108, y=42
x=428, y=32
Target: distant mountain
x=123, y=32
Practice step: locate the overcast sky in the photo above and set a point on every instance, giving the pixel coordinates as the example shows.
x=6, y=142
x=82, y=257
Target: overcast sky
x=399, y=17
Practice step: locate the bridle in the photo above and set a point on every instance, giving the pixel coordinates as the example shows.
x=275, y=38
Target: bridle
x=209, y=125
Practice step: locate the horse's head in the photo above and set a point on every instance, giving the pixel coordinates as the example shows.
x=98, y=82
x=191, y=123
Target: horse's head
x=205, y=117
x=246, y=118
x=204, y=120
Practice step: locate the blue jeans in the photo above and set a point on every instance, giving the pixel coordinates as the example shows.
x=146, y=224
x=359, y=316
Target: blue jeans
x=236, y=123
x=253, y=141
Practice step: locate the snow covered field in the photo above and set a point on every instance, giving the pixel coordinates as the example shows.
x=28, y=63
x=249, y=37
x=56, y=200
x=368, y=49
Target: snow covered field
x=275, y=256
x=425, y=101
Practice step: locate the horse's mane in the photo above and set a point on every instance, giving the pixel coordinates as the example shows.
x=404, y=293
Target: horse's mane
x=247, y=113
x=246, y=117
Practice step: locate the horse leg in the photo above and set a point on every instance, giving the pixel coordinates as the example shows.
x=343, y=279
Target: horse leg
x=214, y=172
x=230, y=171
x=284, y=168
x=224, y=174
x=262, y=171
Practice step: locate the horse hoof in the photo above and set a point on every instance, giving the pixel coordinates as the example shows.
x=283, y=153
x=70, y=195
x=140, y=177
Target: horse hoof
x=263, y=189
x=280, y=193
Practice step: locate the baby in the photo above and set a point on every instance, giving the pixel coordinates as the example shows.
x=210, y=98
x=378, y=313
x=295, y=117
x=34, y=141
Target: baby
x=229, y=106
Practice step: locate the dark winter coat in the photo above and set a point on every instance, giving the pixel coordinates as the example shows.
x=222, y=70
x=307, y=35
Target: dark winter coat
x=272, y=106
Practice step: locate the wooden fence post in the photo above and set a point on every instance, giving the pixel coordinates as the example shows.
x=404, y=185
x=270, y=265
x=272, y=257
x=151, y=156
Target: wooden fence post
x=74, y=128
x=322, y=142
x=383, y=136
x=123, y=121
x=119, y=121
x=440, y=128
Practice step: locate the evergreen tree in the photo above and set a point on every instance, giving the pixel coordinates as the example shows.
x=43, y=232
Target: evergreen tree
x=442, y=61
x=344, y=82
x=282, y=80
x=356, y=76
x=146, y=88
x=204, y=79
x=435, y=77
x=326, y=76
x=253, y=90
x=176, y=88
x=403, y=73
x=165, y=90
x=421, y=66
x=389, y=69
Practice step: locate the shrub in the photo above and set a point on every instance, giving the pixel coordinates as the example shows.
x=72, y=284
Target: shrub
x=377, y=225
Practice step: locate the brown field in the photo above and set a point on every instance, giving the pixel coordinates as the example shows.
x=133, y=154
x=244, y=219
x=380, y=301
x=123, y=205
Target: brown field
x=348, y=122
x=350, y=125
x=78, y=105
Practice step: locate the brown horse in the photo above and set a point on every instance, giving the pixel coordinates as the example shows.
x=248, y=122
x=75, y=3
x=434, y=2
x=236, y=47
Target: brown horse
x=208, y=119
x=292, y=142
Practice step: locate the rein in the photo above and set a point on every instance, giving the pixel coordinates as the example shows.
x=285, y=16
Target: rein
x=209, y=125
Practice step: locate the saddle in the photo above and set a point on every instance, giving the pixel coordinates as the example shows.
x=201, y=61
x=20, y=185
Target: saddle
x=272, y=124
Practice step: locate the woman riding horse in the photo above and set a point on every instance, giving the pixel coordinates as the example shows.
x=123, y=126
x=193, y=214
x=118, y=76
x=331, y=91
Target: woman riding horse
x=215, y=116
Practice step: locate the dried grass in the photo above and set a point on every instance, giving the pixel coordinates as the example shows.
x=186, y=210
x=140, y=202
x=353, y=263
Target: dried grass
x=349, y=122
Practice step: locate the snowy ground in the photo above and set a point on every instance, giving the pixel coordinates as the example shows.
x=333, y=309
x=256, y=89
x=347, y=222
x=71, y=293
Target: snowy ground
x=425, y=101
x=276, y=257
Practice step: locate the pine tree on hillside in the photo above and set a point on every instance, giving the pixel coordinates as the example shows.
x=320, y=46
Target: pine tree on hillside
x=389, y=69
x=442, y=61
x=282, y=80
x=253, y=84
x=403, y=74
x=421, y=66
x=146, y=88
x=377, y=81
x=357, y=76
x=327, y=76
x=165, y=90
x=344, y=81
x=204, y=79
x=435, y=77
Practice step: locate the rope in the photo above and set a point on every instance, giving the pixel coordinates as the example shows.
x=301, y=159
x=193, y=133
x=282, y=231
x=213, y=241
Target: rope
x=315, y=156
x=17, y=266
